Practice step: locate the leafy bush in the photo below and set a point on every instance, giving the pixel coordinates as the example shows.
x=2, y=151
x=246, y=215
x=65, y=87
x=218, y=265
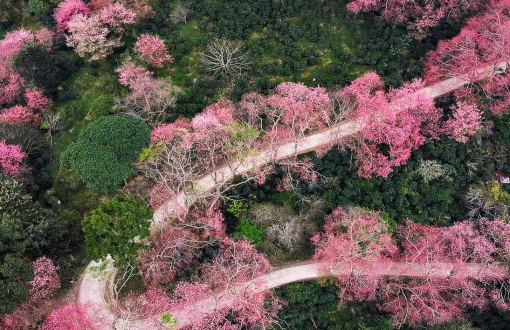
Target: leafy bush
x=250, y=231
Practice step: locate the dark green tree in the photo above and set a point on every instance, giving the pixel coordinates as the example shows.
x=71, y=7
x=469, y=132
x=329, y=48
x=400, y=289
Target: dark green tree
x=116, y=227
x=104, y=151
x=44, y=68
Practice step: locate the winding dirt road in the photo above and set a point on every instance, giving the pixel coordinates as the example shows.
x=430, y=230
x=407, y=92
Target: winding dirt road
x=92, y=288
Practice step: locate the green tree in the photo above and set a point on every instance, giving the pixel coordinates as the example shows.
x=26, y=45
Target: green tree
x=46, y=69
x=104, y=151
x=116, y=227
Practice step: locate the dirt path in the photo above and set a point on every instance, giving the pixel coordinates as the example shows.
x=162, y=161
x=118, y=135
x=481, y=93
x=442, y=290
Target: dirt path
x=92, y=289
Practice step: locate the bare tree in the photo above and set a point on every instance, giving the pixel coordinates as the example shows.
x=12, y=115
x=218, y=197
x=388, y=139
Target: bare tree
x=180, y=13
x=224, y=57
x=51, y=122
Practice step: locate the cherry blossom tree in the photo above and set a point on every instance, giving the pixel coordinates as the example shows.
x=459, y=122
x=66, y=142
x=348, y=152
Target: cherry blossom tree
x=66, y=10
x=483, y=42
x=19, y=115
x=185, y=151
x=11, y=158
x=13, y=42
x=45, y=37
x=46, y=280
x=89, y=35
x=70, y=317
x=354, y=235
x=467, y=119
x=150, y=98
x=420, y=16
x=430, y=300
x=176, y=245
x=466, y=252
x=152, y=50
x=115, y=16
x=36, y=100
x=98, y=34
x=399, y=119
x=300, y=108
x=131, y=74
x=10, y=87
x=436, y=299
x=44, y=283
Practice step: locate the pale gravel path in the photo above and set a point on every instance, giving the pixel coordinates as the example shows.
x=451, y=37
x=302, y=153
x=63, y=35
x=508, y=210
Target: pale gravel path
x=92, y=289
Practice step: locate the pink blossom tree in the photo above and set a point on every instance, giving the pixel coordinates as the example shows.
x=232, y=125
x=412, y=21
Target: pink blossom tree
x=116, y=16
x=354, y=235
x=46, y=280
x=19, y=115
x=66, y=10
x=10, y=86
x=420, y=16
x=131, y=75
x=399, y=119
x=469, y=253
x=13, y=42
x=36, y=100
x=70, y=317
x=185, y=151
x=152, y=50
x=483, y=42
x=98, y=34
x=45, y=37
x=150, y=98
x=11, y=158
x=176, y=245
x=466, y=120
x=299, y=108
x=89, y=35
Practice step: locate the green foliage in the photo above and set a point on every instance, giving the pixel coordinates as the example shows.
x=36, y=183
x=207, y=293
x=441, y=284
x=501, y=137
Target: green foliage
x=42, y=7
x=313, y=306
x=169, y=320
x=403, y=194
x=238, y=207
x=116, y=228
x=250, y=231
x=105, y=149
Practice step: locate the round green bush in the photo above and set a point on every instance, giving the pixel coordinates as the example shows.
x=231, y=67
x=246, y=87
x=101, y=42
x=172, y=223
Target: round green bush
x=104, y=151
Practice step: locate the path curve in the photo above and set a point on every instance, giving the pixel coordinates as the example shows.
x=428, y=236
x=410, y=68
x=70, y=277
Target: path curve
x=314, y=270
x=92, y=288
